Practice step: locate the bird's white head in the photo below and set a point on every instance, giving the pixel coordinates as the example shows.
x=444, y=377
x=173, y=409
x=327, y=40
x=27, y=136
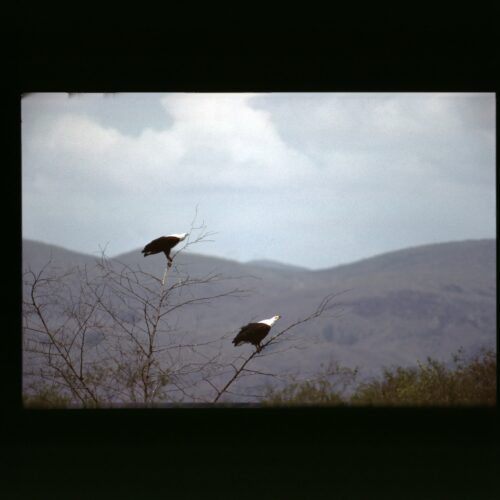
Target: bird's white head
x=181, y=236
x=271, y=321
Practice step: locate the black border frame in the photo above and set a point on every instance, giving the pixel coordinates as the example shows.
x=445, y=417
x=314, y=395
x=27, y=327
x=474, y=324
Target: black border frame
x=219, y=440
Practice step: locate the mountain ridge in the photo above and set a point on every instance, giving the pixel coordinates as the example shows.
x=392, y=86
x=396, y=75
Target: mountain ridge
x=396, y=308
x=274, y=264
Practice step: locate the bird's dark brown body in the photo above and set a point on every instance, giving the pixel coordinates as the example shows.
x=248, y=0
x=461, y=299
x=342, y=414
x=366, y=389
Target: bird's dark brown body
x=253, y=333
x=163, y=244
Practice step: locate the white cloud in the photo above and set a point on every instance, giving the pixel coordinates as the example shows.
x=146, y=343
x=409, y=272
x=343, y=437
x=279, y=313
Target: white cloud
x=390, y=138
x=215, y=141
x=230, y=143
x=353, y=170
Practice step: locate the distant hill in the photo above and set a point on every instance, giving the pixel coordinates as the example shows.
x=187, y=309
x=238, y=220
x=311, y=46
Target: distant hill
x=37, y=254
x=400, y=307
x=272, y=264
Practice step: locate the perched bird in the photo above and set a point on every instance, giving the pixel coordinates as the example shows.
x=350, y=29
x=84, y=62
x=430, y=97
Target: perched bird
x=163, y=244
x=254, y=333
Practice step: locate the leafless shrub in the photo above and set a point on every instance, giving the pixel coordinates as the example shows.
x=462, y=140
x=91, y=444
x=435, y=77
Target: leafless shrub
x=327, y=305
x=112, y=334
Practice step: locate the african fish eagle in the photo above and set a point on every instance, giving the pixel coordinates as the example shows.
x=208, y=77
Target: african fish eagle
x=254, y=333
x=163, y=244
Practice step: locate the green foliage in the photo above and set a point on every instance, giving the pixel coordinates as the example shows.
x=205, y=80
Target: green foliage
x=467, y=382
x=305, y=393
x=326, y=389
x=432, y=383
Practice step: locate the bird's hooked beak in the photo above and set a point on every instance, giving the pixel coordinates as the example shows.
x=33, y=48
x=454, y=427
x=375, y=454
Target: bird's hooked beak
x=278, y=316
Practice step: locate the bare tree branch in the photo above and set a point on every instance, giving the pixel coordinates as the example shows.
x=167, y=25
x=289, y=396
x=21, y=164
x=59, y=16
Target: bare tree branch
x=113, y=333
x=325, y=305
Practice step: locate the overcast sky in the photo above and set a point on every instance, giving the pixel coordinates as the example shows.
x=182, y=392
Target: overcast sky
x=311, y=179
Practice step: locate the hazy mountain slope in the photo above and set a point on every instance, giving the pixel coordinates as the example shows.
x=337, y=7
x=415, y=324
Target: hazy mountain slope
x=416, y=302
x=37, y=254
x=469, y=260
x=399, y=307
x=272, y=264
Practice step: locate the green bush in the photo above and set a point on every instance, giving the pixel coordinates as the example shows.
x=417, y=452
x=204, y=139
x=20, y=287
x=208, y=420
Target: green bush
x=326, y=389
x=466, y=383
x=432, y=383
x=305, y=393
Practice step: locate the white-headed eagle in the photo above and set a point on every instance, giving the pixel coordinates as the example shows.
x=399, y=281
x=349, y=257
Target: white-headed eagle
x=254, y=333
x=163, y=244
